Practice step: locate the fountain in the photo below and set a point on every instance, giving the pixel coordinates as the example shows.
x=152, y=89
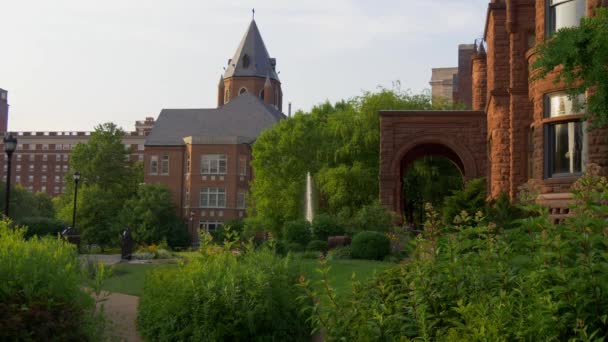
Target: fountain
x=309, y=214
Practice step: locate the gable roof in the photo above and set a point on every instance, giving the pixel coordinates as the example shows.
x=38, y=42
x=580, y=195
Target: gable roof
x=241, y=119
x=251, y=57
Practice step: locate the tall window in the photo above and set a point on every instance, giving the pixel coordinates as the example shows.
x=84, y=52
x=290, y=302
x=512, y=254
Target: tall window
x=213, y=198
x=164, y=165
x=565, y=136
x=564, y=13
x=227, y=96
x=241, y=200
x=154, y=165
x=213, y=164
x=242, y=166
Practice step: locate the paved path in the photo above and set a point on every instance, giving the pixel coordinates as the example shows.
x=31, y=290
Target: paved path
x=108, y=259
x=121, y=311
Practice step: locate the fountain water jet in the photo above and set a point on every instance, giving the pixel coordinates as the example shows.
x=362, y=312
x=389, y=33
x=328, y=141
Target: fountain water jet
x=309, y=203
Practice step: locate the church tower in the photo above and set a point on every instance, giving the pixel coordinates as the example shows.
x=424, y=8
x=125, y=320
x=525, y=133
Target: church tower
x=252, y=71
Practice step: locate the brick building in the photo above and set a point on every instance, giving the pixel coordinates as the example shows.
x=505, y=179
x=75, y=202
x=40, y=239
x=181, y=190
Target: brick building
x=42, y=159
x=203, y=155
x=532, y=129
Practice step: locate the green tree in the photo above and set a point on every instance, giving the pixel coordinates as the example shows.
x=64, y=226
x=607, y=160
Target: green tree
x=582, y=52
x=108, y=180
x=24, y=204
x=338, y=143
x=151, y=215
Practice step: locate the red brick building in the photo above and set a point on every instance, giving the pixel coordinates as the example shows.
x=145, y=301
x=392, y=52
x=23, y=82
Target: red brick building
x=532, y=128
x=203, y=155
x=42, y=159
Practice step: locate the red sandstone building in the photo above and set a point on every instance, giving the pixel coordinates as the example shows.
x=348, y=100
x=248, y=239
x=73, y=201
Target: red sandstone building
x=518, y=129
x=203, y=155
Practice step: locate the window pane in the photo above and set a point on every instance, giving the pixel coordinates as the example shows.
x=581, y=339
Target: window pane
x=568, y=148
x=561, y=104
x=568, y=14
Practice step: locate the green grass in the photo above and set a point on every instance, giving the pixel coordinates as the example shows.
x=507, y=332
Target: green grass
x=341, y=272
x=129, y=278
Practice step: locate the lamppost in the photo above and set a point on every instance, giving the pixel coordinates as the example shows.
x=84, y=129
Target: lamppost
x=76, y=179
x=10, y=144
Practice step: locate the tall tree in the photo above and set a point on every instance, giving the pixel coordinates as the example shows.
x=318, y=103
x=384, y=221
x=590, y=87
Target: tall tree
x=338, y=144
x=152, y=217
x=582, y=53
x=109, y=178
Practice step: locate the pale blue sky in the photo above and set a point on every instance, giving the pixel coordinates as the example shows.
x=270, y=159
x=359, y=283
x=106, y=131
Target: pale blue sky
x=71, y=64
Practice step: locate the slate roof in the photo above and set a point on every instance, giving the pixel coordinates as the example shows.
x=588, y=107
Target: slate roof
x=240, y=120
x=253, y=49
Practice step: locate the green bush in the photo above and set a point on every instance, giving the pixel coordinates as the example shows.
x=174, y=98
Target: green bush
x=42, y=226
x=317, y=245
x=535, y=282
x=223, y=297
x=310, y=255
x=370, y=245
x=324, y=226
x=340, y=253
x=297, y=231
x=372, y=217
x=41, y=295
x=178, y=236
x=472, y=199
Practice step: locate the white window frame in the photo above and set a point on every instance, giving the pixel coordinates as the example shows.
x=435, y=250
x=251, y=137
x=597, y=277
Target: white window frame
x=164, y=165
x=214, y=164
x=241, y=200
x=153, y=165
x=205, y=226
x=212, y=197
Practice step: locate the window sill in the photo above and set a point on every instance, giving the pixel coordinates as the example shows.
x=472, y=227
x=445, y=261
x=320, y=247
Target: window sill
x=564, y=179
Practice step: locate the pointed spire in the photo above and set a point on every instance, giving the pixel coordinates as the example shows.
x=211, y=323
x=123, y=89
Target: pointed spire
x=221, y=84
x=251, y=57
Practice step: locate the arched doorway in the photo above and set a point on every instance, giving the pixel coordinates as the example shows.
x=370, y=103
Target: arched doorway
x=428, y=173
x=406, y=136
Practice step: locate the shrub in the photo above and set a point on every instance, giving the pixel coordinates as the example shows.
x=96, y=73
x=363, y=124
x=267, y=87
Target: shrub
x=370, y=245
x=324, y=226
x=340, y=253
x=178, y=236
x=537, y=281
x=294, y=247
x=310, y=255
x=232, y=226
x=42, y=226
x=41, y=296
x=472, y=199
x=297, y=231
x=373, y=217
x=223, y=297
x=317, y=245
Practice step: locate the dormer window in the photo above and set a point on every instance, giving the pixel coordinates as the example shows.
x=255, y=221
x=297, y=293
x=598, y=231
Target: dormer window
x=245, y=61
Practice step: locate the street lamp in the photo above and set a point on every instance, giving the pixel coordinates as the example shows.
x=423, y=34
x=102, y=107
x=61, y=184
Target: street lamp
x=10, y=144
x=76, y=179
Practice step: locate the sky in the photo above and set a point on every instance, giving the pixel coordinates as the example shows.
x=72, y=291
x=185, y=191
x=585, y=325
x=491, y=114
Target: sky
x=69, y=65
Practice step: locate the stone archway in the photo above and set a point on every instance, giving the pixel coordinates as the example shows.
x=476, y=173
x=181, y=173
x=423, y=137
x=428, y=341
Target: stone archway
x=460, y=136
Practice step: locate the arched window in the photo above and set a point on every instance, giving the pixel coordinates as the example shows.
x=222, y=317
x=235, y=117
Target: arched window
x=242, y=91
x=227, y=97
x=245, y=61
x=262, y=94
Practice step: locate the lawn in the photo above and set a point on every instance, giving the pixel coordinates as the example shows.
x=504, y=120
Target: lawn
x=129, y=278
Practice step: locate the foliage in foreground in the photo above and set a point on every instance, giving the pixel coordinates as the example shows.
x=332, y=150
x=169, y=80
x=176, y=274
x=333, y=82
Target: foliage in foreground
x=223, y=296
x=536, y=281
x=41, y=296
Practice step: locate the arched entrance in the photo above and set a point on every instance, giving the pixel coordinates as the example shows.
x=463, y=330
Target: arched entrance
x=409, y=135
